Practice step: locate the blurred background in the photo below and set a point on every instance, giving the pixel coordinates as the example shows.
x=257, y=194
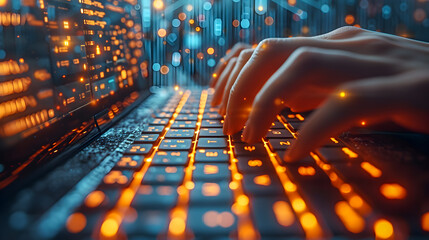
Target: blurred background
x=190, y=36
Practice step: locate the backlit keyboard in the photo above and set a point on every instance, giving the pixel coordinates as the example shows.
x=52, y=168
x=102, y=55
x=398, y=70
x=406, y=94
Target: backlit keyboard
x=184, y=179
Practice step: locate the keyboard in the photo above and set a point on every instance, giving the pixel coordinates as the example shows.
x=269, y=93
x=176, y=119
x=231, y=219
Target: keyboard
x=182, y=178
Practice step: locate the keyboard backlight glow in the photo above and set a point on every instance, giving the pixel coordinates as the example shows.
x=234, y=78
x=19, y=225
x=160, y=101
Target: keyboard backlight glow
x=371, y=169
x=351, y=220
x=349, y=152
x=76, y=222
x=393, y=191
x=283, y=213
x=425, y=222
x=383, y=229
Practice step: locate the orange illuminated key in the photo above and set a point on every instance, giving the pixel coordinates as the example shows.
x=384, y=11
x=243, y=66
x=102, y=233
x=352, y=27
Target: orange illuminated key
x=213, y=193
x=162, y=196
x=180, y=133
x=175, y=144
x=216, y=222
x=254, y=164
x=280, y=144
x=186, y=117
x=164, y=175
x=153, y=129
x=139, y=149
x=262, y=185
x=212, y=123
x=211, y=132
x=159, y=121
x=279, y=133
x=116, y=178
x=211, y=155
x=169, y=158
x=184, y=124
x=147, y=138
x=211, y=172
x=129, y=162
x=244, y=149
x=212, y=143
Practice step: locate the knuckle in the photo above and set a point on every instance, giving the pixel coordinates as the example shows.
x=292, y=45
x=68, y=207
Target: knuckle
x=305, y=54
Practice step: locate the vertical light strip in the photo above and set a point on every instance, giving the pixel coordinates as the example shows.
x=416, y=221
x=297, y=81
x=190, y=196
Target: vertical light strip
x=112, y=221
x=246, y=229
x=179, y=214
x=308, y=220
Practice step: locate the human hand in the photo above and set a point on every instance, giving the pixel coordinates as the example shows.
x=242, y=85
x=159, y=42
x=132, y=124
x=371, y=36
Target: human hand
x=351, y=75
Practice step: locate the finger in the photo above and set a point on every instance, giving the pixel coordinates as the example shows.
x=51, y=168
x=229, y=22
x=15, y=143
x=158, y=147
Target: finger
x=241, y=61
x=269, y=56
x=306, y=79
x=235, y=51
x=220, y=85
x=355, y=104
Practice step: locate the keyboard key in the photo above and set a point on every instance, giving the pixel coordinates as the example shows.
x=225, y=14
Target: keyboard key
x=331, y=154
x=162, y=114
x=139, y=149
x=212, y=193
x=153, y=129
x=262, y=185
x=149, y=222
x=279, y=133
x=212, y=143
x=211, y=155
x=274, y=217
x=211, y=116
x=211, y=132
x=163, y=175
x=163, y=196
x=159, y=121
x=244, y=149
x=170, y=158
x=211, y=172
x=254, y=164
x=280, y=144
x=147, y=138
x=277, y=125
x=117, y=179
x=180, y=133
x=211, y=123
x=129, y=162
x=186, y=117
x=214, y=222
x=296, y=125
x=190, y=111
x=175, y=144
x=184, y=124
x=101, y=199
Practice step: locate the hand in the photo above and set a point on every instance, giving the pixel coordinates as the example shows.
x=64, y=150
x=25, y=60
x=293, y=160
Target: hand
x=352, y=76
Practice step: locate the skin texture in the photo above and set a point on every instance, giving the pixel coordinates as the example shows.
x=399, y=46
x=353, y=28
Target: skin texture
x=349, y=76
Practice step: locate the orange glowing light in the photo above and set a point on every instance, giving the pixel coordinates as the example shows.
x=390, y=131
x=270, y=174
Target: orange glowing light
x=363, y=123
x=197, y=29
x=164, y=70
x=351, y=220
x=211, y=189
x=214, y=75
x=283, y=213
x=94, y=199
x=191, y=21
x=349, y=152
x=349, y=19
x=236, y=23
x=306, y=171
x=182, y=16
x=356, y=201
x=97, y=50
x=425, y=222
x=308, y=221
x=109, y=227
x=3, y=3
x=383, y=229
x=177, y=226
x=263, y=180
x=76, y=222
x=210, y=51
x=162, y=32
x=393, y=191
x=158, y=4
x=371, y=169
x=243, y=200
x=176, y=88
x=298, y=205
x=345, y=188
x=343, y=94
